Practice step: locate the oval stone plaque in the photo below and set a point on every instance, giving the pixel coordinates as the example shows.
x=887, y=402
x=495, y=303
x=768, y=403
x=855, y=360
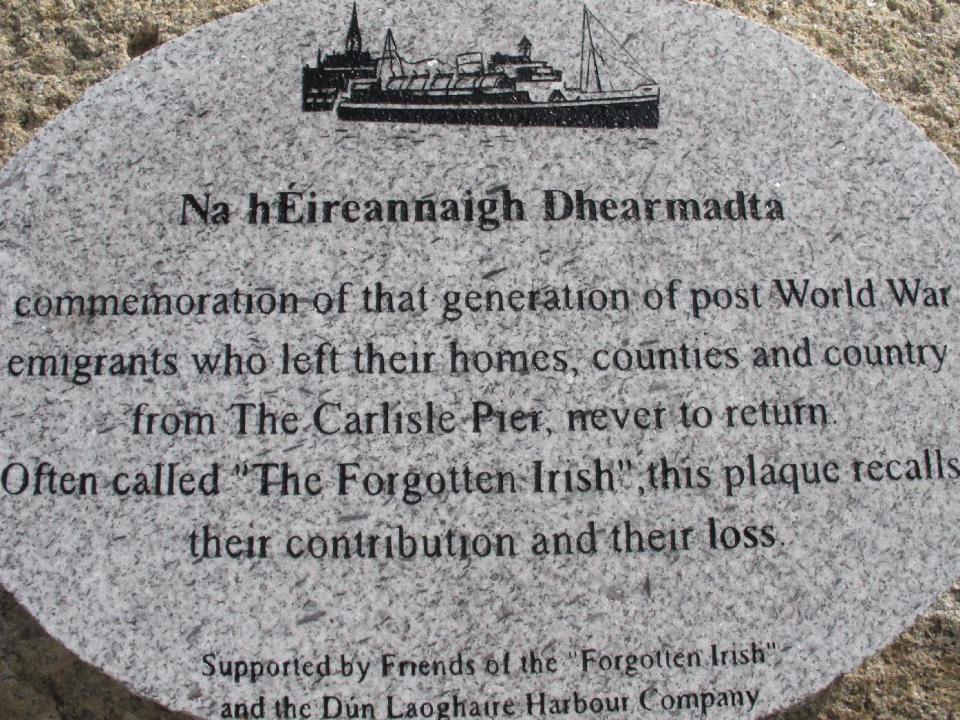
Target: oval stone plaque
x=442, y=360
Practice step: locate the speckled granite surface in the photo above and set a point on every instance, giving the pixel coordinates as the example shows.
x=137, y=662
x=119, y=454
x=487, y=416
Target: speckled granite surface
x=917, y=677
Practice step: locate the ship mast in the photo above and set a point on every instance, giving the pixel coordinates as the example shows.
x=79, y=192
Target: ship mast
x=590, y=56
x=583, y=42
x=588, y=60
x=390, y=56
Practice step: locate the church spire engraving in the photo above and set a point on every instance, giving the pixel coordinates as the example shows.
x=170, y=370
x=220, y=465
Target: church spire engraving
x=354, y=40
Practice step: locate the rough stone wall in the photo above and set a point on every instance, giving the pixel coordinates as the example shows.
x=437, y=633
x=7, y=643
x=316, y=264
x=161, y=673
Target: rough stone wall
x=908, y=51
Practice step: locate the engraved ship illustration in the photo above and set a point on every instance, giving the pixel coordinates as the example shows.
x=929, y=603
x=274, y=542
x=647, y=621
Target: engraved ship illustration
x=505, y=89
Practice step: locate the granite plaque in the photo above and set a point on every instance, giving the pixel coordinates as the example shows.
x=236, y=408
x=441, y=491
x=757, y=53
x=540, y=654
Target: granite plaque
x=443, y=360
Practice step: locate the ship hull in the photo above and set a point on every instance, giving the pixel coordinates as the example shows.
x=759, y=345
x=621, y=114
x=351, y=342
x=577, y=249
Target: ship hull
x=629, y=112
